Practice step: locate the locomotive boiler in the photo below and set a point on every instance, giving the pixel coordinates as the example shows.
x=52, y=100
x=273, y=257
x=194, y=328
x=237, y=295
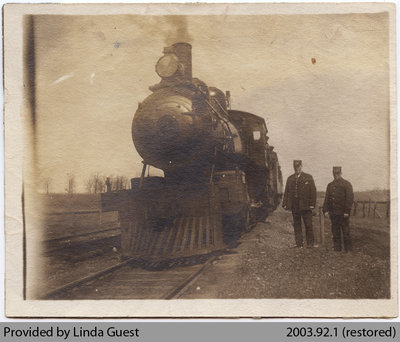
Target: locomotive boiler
x=220, y=173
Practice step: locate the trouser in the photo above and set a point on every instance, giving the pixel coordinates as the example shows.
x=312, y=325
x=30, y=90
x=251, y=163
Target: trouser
x=340, y=225
x=307, y=219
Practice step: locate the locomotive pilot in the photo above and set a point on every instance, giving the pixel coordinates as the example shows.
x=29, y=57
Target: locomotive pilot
x=300, y=197
x=338, y=202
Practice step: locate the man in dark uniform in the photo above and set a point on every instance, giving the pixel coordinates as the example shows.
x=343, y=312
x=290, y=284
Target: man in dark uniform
x=338, y=202
x=300, y=197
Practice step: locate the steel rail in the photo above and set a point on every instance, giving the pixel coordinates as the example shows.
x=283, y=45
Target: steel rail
x=80, y=235
x=188, y=281
x=83, y=280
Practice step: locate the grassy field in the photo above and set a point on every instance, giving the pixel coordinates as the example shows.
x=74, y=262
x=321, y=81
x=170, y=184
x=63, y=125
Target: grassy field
x=373, y=195
x=77, y=202
x=69, y=215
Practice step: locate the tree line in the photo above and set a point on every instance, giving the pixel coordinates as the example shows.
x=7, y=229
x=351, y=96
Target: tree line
x=94, y=184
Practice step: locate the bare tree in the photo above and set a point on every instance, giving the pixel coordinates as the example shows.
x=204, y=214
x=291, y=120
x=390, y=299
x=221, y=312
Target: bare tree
x=70, y=189
x=46, y=184
x=95, y=184
x=120, y=183
x=98, y=183
x=117, y=183
x=124, y=183
x=89, y=185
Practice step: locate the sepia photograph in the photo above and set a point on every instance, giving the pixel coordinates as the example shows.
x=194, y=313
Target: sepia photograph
x=200, y=160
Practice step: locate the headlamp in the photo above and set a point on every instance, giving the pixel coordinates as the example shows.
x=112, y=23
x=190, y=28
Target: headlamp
x=167, y=65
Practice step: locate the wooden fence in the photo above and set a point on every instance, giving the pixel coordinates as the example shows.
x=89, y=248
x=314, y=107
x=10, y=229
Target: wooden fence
x=368, y=209
x=371, y=209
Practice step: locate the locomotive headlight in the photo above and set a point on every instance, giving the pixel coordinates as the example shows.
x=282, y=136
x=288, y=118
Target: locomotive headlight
x=167, y=65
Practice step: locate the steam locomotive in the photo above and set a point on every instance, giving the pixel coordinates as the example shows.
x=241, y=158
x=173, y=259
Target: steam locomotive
x=220, y=174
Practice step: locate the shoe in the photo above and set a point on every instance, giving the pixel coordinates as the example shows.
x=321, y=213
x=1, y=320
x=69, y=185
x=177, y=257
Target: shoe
x=296, y=246
x=312, y=246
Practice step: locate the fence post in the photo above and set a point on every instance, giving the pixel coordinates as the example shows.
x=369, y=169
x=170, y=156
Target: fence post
x=363, y=209
x=355, y=208
x=369, y=206
x=321, y=226
x=374, y=209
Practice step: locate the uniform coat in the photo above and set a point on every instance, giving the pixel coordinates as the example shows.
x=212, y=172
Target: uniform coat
x=339, y=197
x=300, y=195
x=338, y=201
x=306, y=192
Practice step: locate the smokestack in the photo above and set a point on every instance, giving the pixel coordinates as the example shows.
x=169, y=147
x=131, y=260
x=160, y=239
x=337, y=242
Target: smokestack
x=184, y=53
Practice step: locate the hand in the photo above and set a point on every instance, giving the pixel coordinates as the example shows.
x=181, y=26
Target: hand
x=326, y=214
x=285, y=207
x=346, y=215
x=311, y=207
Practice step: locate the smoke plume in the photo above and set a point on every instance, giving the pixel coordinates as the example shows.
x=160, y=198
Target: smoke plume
x=178, y=31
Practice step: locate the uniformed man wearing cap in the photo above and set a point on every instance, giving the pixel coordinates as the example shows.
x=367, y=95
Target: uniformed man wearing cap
x=300, y=197
x=338, y=202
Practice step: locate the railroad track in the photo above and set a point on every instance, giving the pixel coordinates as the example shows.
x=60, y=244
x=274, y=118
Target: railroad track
x=126, y=280
x=82, y=241
x=77, y=237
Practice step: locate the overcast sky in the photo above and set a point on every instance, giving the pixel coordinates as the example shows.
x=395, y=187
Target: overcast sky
x=91, y=72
